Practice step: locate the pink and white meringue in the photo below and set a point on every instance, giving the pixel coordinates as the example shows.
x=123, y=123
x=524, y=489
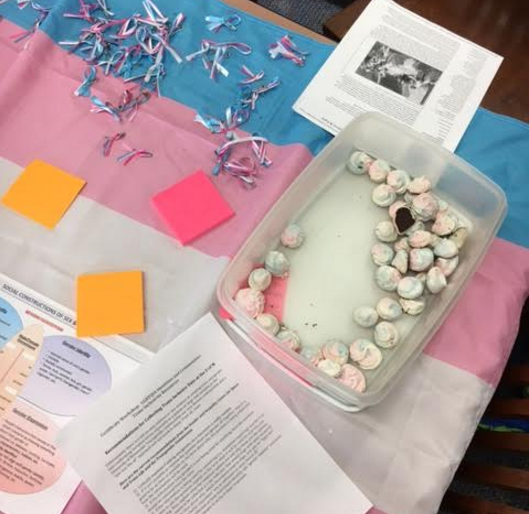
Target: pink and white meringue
x=398, y=180
x=435, y=280
x=410, y=288
x=387, y=278
x=353, y=378
x=250, y=301
x=386, y=335
x=421, y=259
x=378, y=170
x=364, y=353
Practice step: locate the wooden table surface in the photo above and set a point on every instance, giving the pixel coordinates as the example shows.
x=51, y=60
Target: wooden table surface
x=498, y=25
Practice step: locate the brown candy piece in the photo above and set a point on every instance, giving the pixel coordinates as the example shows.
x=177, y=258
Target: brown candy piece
x=404, y=219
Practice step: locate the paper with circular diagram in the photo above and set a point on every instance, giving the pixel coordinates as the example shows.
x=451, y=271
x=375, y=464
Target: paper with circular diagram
x=47, y=377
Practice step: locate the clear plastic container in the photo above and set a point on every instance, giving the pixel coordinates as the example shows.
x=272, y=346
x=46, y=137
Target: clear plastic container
x=332, y=273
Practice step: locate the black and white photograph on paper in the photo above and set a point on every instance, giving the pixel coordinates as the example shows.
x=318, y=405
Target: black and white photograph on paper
x=398, y=72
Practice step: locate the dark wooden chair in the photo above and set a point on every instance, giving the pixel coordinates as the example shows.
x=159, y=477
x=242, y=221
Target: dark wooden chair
x=502, y=477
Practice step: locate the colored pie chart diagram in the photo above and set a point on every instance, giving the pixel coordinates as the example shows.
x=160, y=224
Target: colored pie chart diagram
x=68, y=376
x=29, y=460
x=10, y=322
x=17, y=359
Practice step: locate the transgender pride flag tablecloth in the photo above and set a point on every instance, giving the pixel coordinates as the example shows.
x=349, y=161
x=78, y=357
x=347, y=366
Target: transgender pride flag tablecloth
x=402, y=453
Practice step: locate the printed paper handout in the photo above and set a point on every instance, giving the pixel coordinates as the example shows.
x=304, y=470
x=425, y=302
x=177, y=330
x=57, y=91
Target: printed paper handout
x=47, y=377
x=198, y=430
x=394, y=62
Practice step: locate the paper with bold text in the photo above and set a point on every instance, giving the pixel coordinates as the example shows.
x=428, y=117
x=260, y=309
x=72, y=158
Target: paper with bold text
x=198, y=430
x=395, y=62
x=47, y=377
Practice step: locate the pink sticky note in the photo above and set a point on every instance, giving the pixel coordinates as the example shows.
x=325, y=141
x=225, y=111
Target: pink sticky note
x=192, y=207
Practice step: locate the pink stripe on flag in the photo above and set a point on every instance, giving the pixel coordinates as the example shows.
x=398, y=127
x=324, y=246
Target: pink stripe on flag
x=275, y=297
x=41, y=118
x=480, y=331
x=9, y=50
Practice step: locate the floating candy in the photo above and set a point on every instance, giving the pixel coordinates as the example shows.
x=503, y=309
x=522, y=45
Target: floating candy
x=386, y=335
x=410, y=288
x=365, y=354
x=313, y=355
x=335, y=350
x=389, y=309
x=109, y=142
x=402, y=244
x=292, y=236
x=269, y=323
x=446, y=249
x=419, y=185
x=401, y=261
x=359, y=163
x=394, y=207
x=435, y=280
x=382, y=254
x=459, y=237
x=378, y=171
x=383, y=195
x=277, y=264
x=447, y=266
x=215, y=23
x=398, y=180
x=89, y=78
x=445, y=223
x=286, y=48
x=133, y=154
x=250, y=301
x=420, y=239
x=421, y=259
x=425, y=206
x=353, y=378
x=412, y=307
x=290, y=339
x=330, y=367
x=388, y=278
x=260, y=279
x=365, y=316
x=385, y=232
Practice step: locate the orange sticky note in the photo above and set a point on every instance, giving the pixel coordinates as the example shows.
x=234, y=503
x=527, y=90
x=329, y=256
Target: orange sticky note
x=110, y=303
x=43, y=193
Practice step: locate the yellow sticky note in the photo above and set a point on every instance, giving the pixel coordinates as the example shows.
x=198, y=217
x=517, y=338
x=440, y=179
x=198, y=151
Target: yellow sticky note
x=110, y=303
x=43, y=193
